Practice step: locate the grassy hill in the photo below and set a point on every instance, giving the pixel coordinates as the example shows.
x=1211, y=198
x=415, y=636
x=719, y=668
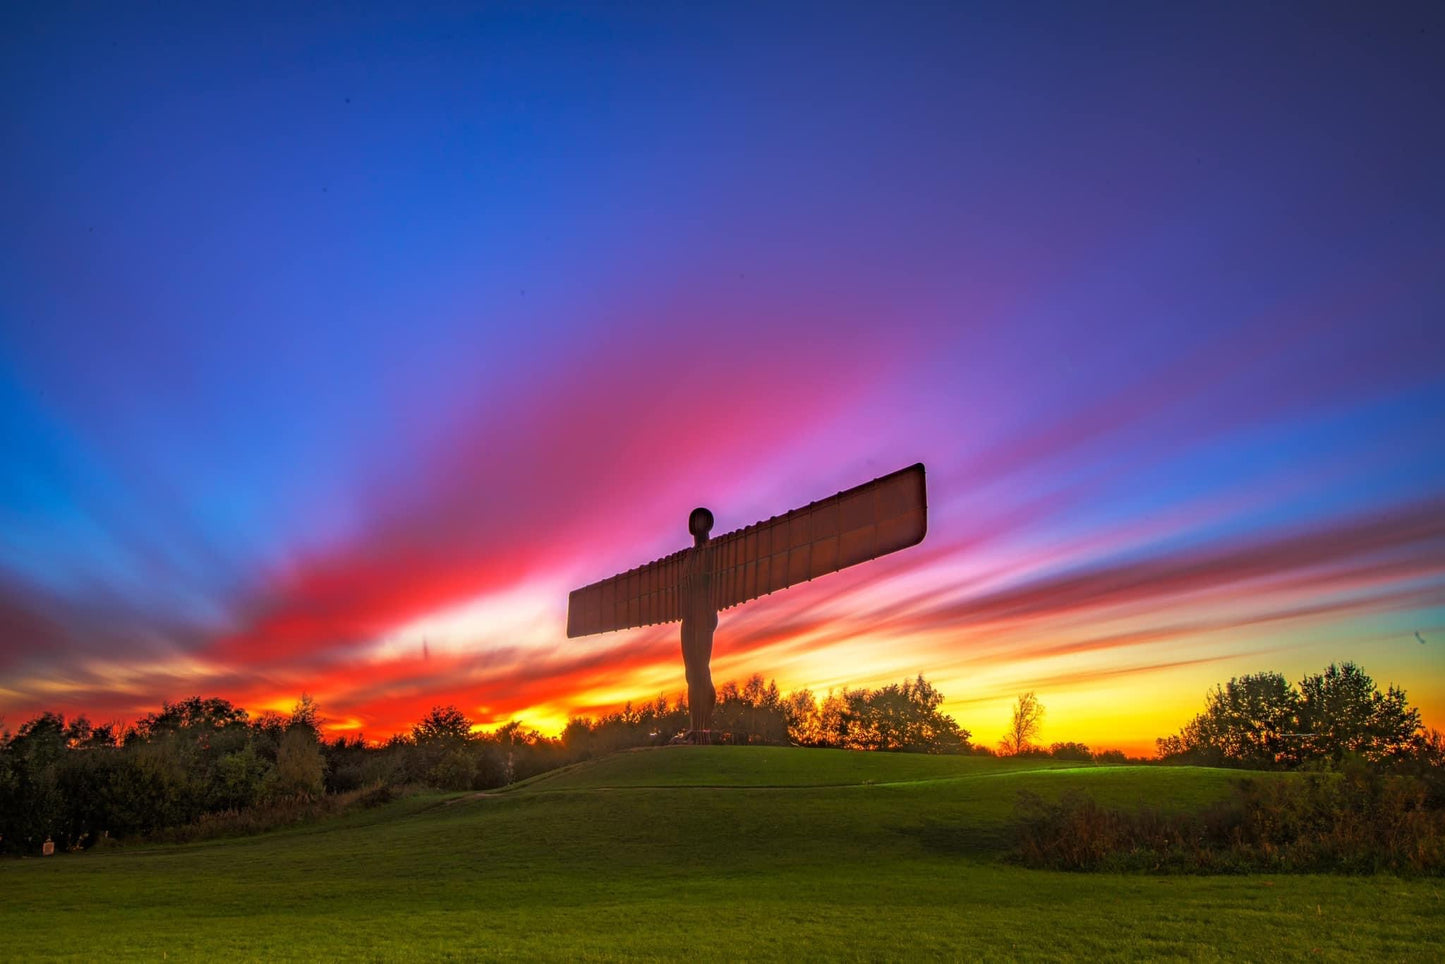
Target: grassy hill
x=715, y=853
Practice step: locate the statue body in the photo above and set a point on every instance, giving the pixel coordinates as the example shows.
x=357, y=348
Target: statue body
x=698, y=606
x=693, y=585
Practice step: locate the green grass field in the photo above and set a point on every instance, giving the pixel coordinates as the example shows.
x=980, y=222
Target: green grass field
x=713, y=853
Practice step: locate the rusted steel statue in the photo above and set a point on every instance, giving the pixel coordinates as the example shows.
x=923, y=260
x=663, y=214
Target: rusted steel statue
x=853, y=526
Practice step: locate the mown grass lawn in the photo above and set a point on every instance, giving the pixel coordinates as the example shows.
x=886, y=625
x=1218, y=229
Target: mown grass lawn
x=711, y=853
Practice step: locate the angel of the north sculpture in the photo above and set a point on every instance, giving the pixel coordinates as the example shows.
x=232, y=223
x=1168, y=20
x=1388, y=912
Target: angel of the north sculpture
x=862, y=523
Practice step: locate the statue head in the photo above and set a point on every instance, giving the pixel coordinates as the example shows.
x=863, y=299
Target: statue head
x=699, y=524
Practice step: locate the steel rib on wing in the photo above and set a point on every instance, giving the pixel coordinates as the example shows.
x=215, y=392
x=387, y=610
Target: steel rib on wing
x=853, y=526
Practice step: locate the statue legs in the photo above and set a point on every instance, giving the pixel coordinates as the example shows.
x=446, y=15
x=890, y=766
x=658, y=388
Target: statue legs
x=696, y=658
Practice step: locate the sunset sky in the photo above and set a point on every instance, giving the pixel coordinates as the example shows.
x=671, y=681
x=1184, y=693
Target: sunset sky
x=337, y=345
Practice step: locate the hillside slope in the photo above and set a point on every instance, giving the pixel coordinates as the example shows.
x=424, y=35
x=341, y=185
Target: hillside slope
x=715, y=852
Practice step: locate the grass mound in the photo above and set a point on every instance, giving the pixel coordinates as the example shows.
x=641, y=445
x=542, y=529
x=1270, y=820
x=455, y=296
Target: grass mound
x=712, y=853
x=771, y=766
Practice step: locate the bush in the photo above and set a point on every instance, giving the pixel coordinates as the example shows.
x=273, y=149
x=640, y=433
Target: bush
x=1359, y=821
x=300, y=767
x=456, y=769
x=1071, y=751
x=271, y=816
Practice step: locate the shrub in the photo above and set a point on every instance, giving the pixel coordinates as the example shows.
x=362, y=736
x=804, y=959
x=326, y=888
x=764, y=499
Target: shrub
x=300, y=767
x=272, y=815
x=1071, y=751
x=1358, y=821
x=455, y=770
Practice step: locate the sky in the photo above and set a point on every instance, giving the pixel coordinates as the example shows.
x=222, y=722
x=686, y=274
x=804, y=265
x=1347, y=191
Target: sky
x=338, y=342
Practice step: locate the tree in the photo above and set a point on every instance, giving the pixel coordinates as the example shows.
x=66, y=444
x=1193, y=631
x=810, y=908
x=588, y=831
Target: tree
x=1028, y=716
x=799, y=710
x=903, y=716
x=35, y=754
x=577, y=737
x=41, y=741
x=1343, y=712
x=306, y=714
x=753, y=713
x=1261, y=721
x=1250, y=721
x=834, y=719
x=197, y=716
x=300, y=768
x=346, y=759
x=900, y=716
x=239, y=778
x=444, y=724
x=266, y=733
x=455, y=768
x=1430, y=750
x=445, y=749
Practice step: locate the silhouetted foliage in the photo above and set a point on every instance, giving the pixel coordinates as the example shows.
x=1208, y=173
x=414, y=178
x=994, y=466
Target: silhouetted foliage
x=197, y=718
x=300, y=766
x=753, y=713
x=899, y=717
x=443, y=726
x=1355, y=821
x=77, y=783
x=446, y=754
x=1027, y=717
x=1071, y=751
x=1342, y=713
x=306, y=714
x=203, y=766
x=903, y=716
x=1249, y=721
x=347, y=764
x=1260, y=721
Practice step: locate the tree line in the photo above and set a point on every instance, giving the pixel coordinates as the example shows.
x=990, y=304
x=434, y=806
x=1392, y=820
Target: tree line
x=899, y=717
x=76, y=784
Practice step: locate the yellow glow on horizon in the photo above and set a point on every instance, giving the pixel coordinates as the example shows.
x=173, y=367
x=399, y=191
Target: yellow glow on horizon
x=545, y=719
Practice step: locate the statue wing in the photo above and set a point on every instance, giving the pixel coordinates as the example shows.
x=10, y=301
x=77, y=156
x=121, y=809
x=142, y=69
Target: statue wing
x=853, y=526
x=638, y=597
